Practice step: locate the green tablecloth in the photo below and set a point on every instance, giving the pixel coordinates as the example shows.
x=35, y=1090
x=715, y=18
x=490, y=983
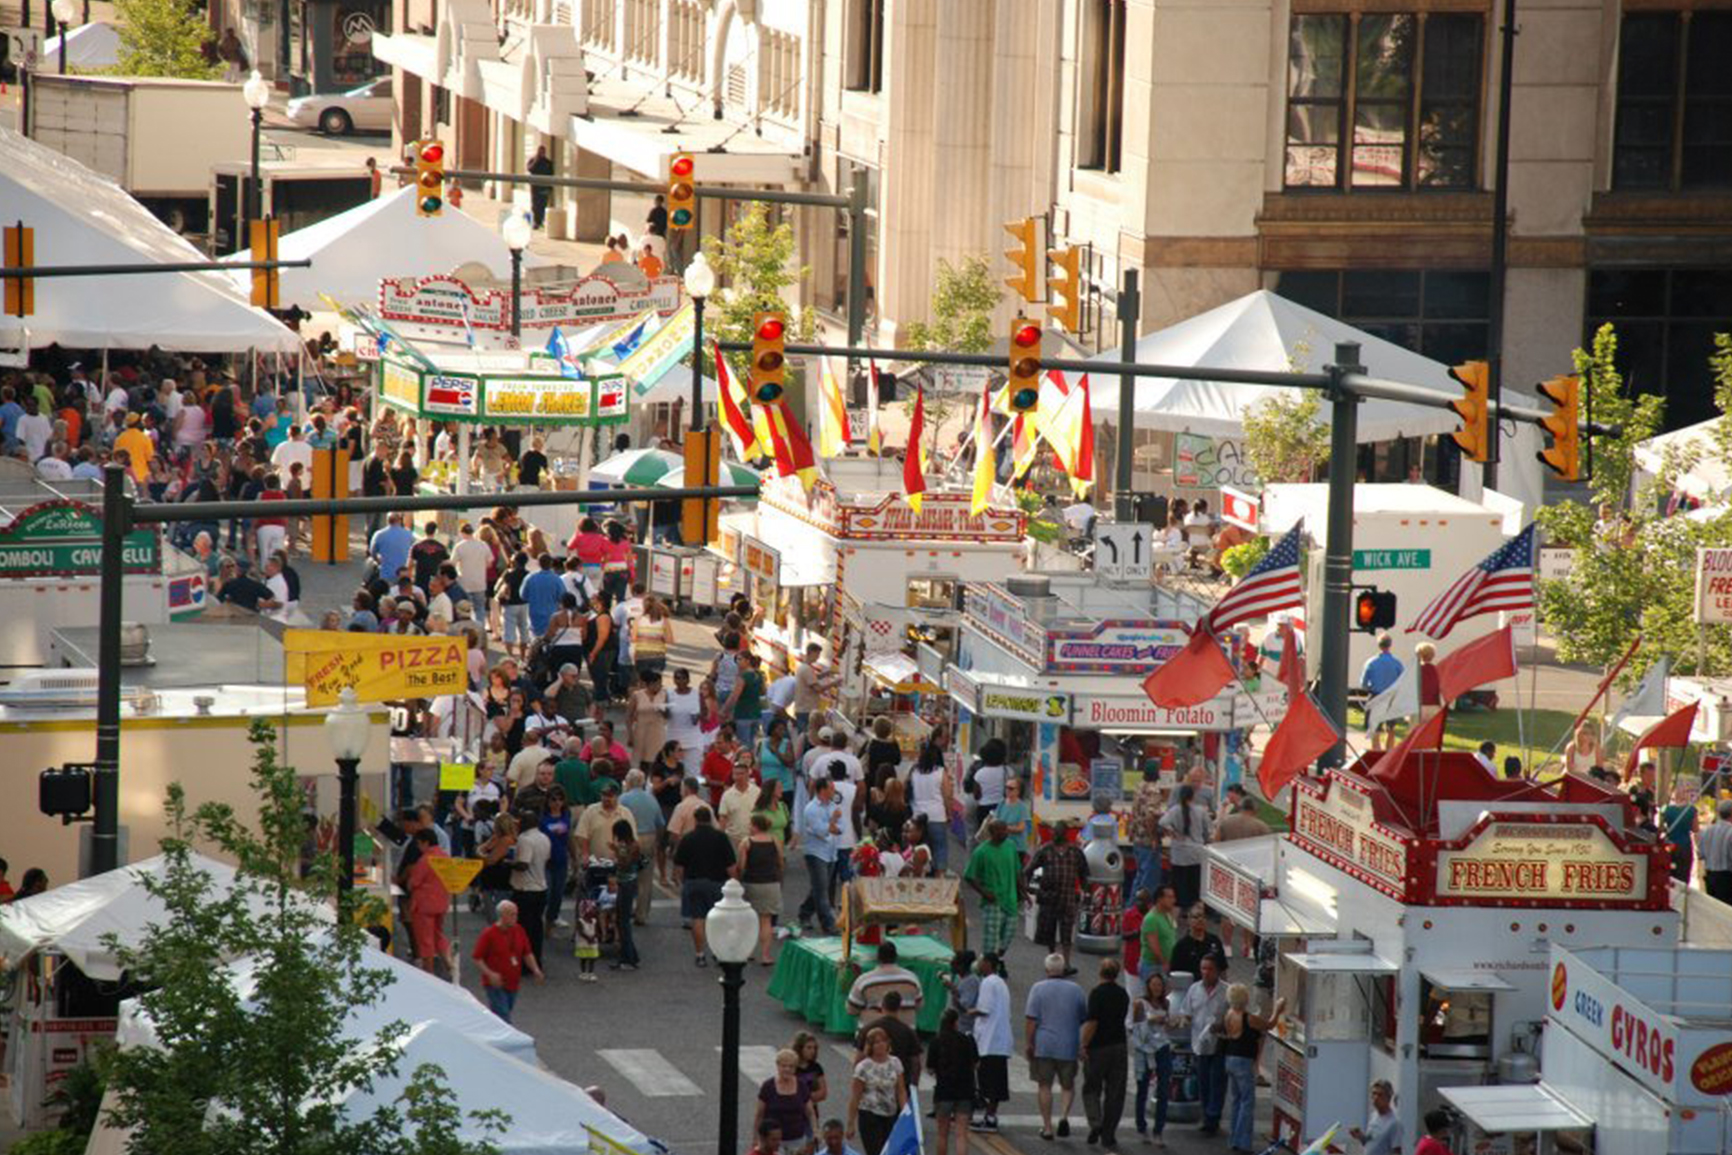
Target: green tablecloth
x=806, y=982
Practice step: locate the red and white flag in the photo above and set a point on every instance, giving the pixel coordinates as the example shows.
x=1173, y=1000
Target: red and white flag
x=1503, y=581
x=1272, y=585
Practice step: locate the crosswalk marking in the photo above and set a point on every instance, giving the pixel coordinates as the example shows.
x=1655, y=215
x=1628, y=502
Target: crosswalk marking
x=649, y=1072
x=757, y=1063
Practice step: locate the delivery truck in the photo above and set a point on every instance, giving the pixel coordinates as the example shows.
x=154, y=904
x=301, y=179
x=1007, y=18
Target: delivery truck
x=1409, y=540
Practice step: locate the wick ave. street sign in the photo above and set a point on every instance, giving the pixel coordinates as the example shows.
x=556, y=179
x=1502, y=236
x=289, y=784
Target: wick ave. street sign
x=64, y=539
x=1392, y=559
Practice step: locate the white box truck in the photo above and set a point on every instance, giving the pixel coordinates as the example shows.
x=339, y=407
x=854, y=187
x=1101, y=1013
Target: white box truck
x=1411, y=540
x=156, y=138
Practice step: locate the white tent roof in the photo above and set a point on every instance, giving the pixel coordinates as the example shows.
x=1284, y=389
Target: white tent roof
x=93, y=45
x=74, y=919
x=1265, y=331
x=412, y=996
x=352, y=251
x=1709, y=480
x=82, y=218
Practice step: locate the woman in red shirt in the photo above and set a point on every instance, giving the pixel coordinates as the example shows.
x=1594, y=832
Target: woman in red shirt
x=271, y=532
x=429, y=903
x=590, y=546
x=618, y=561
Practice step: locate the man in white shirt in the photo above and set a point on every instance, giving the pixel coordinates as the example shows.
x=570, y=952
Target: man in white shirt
x=34, y=429
x=529, y=879
x=439, y=604
x=734, y=813
x=990, y=1020
x=780, y=694
x=545, y=725
x=54, y=466
x=279, y=587
x=471, y=557
x=1486, y=756
x=1205, y=1006
x=1382, y=1132
x=116, y=400
x=295, y=449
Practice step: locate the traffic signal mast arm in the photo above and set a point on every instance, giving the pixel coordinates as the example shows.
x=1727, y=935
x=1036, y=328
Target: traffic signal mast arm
x=1356, y=384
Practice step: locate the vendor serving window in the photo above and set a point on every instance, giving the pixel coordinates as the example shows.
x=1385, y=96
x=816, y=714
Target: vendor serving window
x=1383, y=100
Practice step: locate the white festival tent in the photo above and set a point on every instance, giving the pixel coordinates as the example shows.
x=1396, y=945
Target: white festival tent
x=1265, y=331
x=83, y=218
x=384, y=237
x=89, y=46
x=548, y=1116
x=1709, y=477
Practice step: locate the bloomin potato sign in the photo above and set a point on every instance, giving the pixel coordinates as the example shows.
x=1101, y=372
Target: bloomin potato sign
x=378, y=668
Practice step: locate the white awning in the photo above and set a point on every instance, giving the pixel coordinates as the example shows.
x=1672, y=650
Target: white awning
x=1345, y=963
x=643, y=130
x=898, y=673
x=807, y=568
x=1464, y=979
x=1519, y=1107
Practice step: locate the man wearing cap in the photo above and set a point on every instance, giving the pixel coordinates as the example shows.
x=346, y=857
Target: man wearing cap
x=570, y=696
x=595, y=828
x=1061, y=869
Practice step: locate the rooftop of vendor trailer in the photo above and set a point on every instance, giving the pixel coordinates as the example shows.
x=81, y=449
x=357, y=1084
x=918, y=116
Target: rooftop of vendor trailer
x=1080, y=598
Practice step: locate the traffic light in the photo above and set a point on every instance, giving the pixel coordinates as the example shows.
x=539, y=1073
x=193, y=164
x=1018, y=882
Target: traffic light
x=682, y=194
x=1474, y=436
x=1024, y=371
x=1026, y=260
x=1373, y=610
x=1066, y=306
x=1564, y=458
x=769, y=361
x=430, y=179
x=20, y=253
x=264, y=248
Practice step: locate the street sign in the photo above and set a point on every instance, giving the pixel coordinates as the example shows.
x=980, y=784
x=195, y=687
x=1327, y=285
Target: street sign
x=1239, y=508
x=1123, y=551
x=455, y=874
x=1713, y=586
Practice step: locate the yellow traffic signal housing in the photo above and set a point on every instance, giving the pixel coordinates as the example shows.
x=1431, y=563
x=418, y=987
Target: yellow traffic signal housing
x=430, y=179
x=264, y=248
x=699, y=516
x=682, y=191
x=1028, y=282
x=20, y=253
x=1474, y=436
x=1564, y=457
x=1066, y=307
x=769, y=371
x=1022, y=386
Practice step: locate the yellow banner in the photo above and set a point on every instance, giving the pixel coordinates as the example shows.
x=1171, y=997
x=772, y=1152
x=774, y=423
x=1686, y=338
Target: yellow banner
x=454, y=873
x=380, y=668
x=456, y=775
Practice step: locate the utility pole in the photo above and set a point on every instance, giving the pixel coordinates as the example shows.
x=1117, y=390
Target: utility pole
x=1338, y=555
x=1130, y=306
x=1499, y=243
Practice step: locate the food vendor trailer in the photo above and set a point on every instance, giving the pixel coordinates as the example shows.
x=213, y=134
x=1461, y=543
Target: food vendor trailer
x=1413, y=908
x=1053, y=663
x=856, y=529
x=50, y=558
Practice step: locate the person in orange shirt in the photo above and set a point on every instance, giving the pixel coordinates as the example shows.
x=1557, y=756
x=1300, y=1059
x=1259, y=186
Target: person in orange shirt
x=649, y=262
x=613, y=255
x=138, y=446
x=429, y=903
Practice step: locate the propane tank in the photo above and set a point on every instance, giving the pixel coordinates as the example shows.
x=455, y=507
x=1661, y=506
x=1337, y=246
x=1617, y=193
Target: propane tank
x=1103, y=903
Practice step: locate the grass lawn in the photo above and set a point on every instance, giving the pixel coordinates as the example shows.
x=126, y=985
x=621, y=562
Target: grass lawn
x=1466, y=730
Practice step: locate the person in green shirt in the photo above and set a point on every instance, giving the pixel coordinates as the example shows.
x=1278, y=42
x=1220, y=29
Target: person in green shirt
x=1159, y=933
x=572, y=773
x=748, y=704
x=995, y=872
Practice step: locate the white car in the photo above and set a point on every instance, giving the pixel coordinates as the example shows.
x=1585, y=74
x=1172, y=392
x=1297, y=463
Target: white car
x=367, y=108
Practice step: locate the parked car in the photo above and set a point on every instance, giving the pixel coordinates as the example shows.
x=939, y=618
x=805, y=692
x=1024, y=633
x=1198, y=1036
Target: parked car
x=337, y=113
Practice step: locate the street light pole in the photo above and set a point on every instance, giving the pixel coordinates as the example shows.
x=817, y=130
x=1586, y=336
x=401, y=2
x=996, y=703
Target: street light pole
x=517, y=229
x=700, y=282
x=63, y=11
x=731, y=929
x=1338, y=554
x=346, y=727
x=517, y=292
x=116, y=521
x=1130, y=307
x=257, y=93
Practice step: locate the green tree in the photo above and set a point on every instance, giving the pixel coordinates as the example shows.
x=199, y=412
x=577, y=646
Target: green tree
x=964, y=298
x=265, y=1074
x=1634, y=571
x=161, y=38
x=1283, y=437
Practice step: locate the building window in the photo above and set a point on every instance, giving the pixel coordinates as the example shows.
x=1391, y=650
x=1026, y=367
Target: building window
x=866, y=45
x=1674, y=127
x=1665, y=320
x=1383, y=100
x=1101, y=71
x=1440, y=314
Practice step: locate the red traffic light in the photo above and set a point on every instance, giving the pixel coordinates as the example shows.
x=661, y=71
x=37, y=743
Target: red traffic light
x=770, y=330
x=1026, y=336
x=681, y=166
x=433, y=153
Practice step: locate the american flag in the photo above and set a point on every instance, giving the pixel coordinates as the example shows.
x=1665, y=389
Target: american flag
x=1272, y=585
x=1503, y=581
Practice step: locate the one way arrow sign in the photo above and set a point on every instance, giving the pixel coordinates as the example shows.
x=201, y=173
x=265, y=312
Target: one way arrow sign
x=1124, y=552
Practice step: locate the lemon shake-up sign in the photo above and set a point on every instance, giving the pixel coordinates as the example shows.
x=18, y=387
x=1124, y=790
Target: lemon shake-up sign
x=378, y=669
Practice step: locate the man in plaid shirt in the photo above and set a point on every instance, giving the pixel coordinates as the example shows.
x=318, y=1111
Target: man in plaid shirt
x=1061, y=867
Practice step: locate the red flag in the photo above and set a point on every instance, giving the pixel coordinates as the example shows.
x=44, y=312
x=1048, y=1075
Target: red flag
x=1303, y=736
x=1194, y=674
x=1427, y=735
x=914, y=458
x=745, y=439
x=1085, y=448
x=1480, y=661
x=799, y=447
x=1291, y=671
x=1670, y=732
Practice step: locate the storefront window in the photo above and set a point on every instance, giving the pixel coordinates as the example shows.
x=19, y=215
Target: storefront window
x=932, y=593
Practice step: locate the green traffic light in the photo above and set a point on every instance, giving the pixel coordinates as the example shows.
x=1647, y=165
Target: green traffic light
x=431, y=204
x=1024, y=399
x=682, y=216
x=769, y=393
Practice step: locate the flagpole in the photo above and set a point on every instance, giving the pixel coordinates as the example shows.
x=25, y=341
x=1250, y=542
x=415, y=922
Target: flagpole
x=1592, y=702
x=1533, y=696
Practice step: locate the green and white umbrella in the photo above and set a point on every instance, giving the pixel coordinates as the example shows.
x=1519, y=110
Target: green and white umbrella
x=733, y=473
x=635, y=467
